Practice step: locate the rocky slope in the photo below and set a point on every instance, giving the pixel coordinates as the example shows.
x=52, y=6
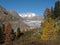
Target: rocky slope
x=15, y=20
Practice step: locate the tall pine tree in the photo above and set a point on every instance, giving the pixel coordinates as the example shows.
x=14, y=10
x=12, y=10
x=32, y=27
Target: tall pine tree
x=57, y=10
x=1, y=35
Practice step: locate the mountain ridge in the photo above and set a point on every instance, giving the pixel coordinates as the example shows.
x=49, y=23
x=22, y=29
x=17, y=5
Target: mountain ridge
x=12, y=16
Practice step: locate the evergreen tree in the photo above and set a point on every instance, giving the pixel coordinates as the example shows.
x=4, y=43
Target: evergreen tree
x=57, y=10
x=18, y=33
x=52, y=10
x=18, y=30
x=3, y=26
x=13, y=35
x=1, y=35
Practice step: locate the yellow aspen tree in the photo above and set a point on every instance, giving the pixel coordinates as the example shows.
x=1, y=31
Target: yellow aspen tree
x=48, y=32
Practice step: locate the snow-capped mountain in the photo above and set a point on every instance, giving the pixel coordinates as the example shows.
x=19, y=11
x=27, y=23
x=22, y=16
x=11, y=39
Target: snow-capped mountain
x=28, y=15
x=32, y=19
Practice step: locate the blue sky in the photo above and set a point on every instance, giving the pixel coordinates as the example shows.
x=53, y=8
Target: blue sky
x=26, y=6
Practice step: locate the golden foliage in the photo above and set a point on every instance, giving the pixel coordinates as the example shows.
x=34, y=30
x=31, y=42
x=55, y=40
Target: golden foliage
x=49, y=33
